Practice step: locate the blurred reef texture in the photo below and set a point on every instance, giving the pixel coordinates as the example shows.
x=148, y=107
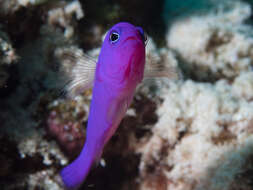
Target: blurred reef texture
x=195, y=133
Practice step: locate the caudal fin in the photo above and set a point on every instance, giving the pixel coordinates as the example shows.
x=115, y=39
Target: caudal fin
x=74, y=174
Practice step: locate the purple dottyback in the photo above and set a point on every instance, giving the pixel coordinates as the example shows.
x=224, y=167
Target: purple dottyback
x=120, y=67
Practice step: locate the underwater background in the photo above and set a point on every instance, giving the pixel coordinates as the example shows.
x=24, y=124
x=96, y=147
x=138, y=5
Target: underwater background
x=194, y=133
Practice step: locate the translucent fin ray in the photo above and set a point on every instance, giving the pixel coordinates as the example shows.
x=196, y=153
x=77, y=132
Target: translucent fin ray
x=156, y=70
x=79, y=69
x=155, y=67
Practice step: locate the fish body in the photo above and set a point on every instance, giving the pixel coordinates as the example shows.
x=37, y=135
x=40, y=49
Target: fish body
x=119, y=69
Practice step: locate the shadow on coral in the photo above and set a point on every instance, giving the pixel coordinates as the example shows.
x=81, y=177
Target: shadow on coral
x=13, y=168
x=234, y=171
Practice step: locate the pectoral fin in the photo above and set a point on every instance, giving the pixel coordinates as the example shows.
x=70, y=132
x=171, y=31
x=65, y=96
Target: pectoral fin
x=79, y=70
x=153, y=70
x=115, y=113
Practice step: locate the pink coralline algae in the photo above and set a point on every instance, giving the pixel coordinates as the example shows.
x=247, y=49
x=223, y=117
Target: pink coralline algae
x=70, y=135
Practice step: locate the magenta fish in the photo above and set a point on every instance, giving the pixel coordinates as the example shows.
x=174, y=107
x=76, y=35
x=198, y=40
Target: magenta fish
x=114, y=77
x=119, y=69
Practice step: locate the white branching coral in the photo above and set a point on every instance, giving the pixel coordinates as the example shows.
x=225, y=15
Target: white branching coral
x=216, y=45
x=10, y=6
x=63, y=16
x=44, y=179
x=198, y=125
x=35, y=144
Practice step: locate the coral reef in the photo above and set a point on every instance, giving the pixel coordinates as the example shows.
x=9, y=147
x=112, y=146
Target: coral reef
x=203, y=137
x=191, y=134
x=198, y=124
x=33, y=84
x=7, y=57
x=62, y=16
x=66, y=122
x=11, y=6
x=215, y=46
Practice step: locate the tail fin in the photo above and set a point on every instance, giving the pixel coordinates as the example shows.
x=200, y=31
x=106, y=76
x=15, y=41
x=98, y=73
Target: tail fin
x=74, y=174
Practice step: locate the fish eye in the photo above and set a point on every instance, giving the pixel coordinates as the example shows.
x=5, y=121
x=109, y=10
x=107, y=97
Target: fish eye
x=114, y=37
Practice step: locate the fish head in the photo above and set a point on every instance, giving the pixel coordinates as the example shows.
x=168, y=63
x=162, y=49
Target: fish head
x=122, y=57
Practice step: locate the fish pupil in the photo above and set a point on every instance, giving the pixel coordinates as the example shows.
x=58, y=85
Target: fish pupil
x=114, y=37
